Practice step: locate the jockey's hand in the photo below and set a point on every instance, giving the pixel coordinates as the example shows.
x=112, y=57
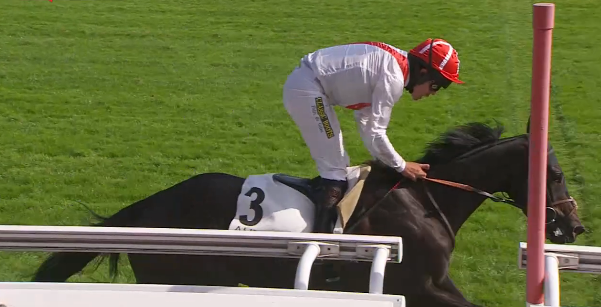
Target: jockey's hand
x=414, y=170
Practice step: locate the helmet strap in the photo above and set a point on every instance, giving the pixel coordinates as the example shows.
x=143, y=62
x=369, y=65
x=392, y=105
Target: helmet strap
x=423, y=78
x=431, y=70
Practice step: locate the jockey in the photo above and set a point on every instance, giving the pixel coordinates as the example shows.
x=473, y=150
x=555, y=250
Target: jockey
x=369, y=78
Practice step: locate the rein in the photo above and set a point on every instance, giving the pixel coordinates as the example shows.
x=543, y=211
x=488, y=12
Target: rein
x=440, y=181
x=472, y=189
x=464, y=187
x=366, y=213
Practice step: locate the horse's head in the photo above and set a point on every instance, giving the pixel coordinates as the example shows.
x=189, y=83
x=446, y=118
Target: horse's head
x=474, y=154
x=562, y=221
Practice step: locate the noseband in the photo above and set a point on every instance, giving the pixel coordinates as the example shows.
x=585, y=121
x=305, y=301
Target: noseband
x=551, y=208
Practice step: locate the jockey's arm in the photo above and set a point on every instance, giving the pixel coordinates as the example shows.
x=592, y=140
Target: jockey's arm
x=373, y=121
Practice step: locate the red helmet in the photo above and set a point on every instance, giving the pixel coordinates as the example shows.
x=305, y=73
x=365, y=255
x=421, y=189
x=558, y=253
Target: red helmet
x=444, y=57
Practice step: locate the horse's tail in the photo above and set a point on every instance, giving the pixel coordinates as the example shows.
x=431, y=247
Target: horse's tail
x=62, y=265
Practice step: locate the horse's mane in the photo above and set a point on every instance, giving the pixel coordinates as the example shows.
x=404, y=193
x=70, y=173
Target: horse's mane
x=455, y=142
x=460, y=140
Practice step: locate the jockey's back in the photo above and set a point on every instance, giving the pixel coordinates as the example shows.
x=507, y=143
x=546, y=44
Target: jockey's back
x=349, y=73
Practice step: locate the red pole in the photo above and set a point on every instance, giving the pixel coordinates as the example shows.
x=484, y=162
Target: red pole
x=543, y=22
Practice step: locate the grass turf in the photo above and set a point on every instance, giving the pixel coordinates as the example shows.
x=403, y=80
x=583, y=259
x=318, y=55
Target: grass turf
x=107, y=102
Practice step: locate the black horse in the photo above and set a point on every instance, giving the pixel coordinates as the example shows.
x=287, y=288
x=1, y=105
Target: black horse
x=427, y=215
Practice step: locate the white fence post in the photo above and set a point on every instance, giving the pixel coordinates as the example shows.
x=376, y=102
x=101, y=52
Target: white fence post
x=303, y=271
x=376, y=278
x=552, y=281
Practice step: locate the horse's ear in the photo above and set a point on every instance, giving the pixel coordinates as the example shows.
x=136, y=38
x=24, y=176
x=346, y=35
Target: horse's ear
x=528, y=125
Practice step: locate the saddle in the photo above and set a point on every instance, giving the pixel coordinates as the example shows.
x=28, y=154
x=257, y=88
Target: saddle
x=306, y=186
x=346, y=206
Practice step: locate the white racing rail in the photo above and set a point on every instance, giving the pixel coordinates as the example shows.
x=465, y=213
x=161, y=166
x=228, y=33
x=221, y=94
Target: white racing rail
x=307, y=246
x=567, y=258
x=102, y=295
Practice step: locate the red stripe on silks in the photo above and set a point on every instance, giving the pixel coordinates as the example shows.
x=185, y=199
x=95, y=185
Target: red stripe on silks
x=400, y=59
x=358, y=106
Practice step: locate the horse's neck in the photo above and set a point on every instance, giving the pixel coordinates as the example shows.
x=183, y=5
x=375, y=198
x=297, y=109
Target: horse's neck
x=489, y=171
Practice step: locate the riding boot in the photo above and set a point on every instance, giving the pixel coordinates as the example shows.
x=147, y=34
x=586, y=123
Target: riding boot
x=328, y=194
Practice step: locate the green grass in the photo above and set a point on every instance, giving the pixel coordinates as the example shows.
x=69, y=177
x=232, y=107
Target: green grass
x=107, y=102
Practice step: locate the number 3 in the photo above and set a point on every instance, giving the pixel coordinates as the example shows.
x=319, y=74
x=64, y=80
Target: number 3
x=255, y=205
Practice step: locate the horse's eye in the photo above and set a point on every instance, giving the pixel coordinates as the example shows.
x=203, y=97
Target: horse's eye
x=558, y=176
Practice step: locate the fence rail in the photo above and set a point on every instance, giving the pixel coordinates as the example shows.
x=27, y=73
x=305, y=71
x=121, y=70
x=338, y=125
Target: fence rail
x=568, y=258
x=379, y=250
x=102, y=295
x=572, y=258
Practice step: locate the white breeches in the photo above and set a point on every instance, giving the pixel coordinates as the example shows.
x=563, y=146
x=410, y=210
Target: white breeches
x=315, y=117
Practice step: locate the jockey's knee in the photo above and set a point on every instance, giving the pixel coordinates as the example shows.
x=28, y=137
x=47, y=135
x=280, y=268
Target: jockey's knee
x=333, y=174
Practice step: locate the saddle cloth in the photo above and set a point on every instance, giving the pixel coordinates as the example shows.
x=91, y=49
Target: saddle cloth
x=265, y=204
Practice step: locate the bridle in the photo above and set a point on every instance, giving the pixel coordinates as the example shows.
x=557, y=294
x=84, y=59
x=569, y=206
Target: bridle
x=548, y=208
x=468, y=188
x=551, y=208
